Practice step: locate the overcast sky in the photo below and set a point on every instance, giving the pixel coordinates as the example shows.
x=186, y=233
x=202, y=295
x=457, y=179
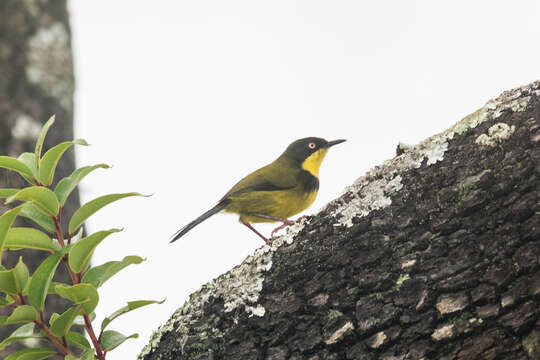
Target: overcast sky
x=184, y=98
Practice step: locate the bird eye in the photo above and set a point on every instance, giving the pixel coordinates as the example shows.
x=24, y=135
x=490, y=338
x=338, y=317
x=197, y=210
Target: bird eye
x=311, y=145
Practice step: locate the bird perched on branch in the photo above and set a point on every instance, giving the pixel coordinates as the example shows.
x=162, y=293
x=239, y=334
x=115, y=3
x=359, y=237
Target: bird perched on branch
x=276, y=191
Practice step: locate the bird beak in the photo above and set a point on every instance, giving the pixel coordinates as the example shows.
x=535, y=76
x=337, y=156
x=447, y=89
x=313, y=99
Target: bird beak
x=334, y=142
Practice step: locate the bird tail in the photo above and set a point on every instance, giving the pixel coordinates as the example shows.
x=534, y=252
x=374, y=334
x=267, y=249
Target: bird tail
x=220, y=206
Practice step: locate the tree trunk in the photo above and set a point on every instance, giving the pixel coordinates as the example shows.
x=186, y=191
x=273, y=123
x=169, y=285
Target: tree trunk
x=36, y=81
x=433, y=254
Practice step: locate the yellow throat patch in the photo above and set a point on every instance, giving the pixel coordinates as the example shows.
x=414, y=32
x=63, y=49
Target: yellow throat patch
x=313, y=161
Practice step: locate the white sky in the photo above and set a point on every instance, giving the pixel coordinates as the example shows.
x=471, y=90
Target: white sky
x=184, y=98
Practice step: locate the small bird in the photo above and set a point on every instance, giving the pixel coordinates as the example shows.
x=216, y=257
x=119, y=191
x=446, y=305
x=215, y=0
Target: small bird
x=276, y=191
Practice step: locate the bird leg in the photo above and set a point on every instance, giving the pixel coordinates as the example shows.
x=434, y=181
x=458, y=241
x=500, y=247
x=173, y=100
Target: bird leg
x=286, y=222
x=255, y=231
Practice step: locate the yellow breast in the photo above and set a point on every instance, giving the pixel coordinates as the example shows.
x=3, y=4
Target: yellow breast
x=313, y=162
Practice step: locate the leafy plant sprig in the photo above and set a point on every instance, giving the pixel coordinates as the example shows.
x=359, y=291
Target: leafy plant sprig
x=25, y=293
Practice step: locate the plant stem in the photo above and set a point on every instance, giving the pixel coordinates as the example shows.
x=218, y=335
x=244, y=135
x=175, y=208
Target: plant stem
x=21, y=299
x=76, y=279
x=59, y=234
x=53, y=338
x=90, y=330
x=41, y=324
x=60, y=237
x=74, y=276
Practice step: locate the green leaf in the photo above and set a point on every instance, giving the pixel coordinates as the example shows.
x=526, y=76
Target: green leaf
x=23, y=313
x=39, y=195
x=82, y=251
x=28, y=238
x=5, y=193
x=51, y=290
x=41, y=279
x=97, y=275
x=110, y=339
x=21, y=275
x=29, y=159
x=6, y=220
x=52, y=287
x=13, y=164
x=132, y=305
x=61, y=324
x=7, y=282
x=41, y=138
x=13, y=281
x=33, y=212
x=74, y=338
x=53, y=317
x=88, y=355
x=32, y=354
x=67, y=184
x=88, y=209
x=81, y=294
x=48, y=162
x=22, y=333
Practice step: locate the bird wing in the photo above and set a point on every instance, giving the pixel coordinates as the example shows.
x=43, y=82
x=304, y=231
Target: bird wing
x=268, y=178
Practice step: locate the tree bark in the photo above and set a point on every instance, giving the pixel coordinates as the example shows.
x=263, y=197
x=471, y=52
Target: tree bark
x=431, y=255
x=36, y=81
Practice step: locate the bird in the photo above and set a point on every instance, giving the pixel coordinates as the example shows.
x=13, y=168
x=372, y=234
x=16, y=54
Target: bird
x=275, y=192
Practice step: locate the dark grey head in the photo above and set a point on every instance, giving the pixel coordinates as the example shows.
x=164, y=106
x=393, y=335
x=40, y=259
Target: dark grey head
x=302, y=149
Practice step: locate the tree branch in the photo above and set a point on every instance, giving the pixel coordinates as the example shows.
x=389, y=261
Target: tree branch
x=433, y=254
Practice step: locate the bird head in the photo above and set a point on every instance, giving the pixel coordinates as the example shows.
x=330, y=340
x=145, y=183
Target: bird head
x=308, y=153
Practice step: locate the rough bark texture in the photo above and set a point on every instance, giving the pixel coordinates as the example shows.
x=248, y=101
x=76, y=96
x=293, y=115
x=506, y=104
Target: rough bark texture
x=434, y=254
x=36, y=81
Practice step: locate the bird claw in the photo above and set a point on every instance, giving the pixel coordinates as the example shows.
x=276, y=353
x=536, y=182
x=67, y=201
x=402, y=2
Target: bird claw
x=301, y=218
x=285, y=224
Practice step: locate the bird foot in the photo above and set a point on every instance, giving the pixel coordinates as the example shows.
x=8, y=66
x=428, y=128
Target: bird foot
x=288, y=223
x=301, y=218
